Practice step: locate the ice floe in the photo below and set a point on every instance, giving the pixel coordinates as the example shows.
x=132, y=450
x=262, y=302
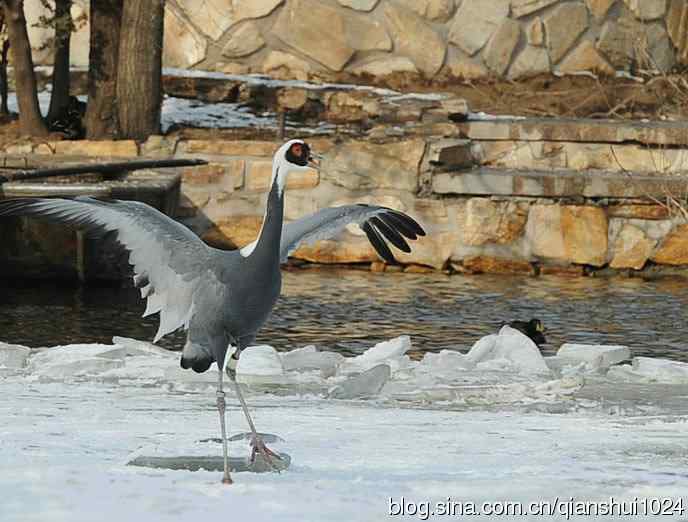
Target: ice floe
x=502, y=368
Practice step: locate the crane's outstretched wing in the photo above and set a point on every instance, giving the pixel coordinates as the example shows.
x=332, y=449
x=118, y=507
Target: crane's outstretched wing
x=379, y=223
x=169, y=259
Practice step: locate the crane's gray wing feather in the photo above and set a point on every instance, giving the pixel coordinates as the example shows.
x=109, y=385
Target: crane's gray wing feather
x=169, y=260
x=380, y=224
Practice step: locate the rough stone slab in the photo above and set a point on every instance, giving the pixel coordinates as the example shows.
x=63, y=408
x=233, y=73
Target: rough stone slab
x=677, y=26
x=359, y=5
x=426, y=48
x=530, y=61
x=632, y=248
x=581, y=156
x=244, y=40
x=647, y=9
x=485, y=181
x=521, y=8
x=301, y=26
x=500, y=49
x=563, y=27
x=581, y=129
x=184, y=47
x=211, y=463
x=475, y=22
x=214, y=17
x=585, y=58
x=674, y=248
x=599, y=8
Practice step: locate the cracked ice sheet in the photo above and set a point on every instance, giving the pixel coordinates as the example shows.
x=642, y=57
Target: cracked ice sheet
x=63, y=449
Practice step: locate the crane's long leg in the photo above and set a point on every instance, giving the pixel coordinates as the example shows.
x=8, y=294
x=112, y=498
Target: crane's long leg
x=257, y=443
x=226, y=479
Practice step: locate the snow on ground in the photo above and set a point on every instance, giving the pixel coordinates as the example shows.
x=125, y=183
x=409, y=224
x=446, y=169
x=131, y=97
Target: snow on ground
x=182, y=111
x=500, y=423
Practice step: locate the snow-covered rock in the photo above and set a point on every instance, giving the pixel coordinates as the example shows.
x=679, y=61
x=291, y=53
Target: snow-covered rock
x=509, y=345
x=260, y=364
x=597, y=356
x=364, y=385
x=13, y=355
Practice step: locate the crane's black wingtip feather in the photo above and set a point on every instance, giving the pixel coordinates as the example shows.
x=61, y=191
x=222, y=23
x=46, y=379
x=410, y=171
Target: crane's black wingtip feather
x=410, y=222
x=391, y=233
x=378, y=243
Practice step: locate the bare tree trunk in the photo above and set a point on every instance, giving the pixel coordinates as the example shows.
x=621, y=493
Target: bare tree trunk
x=30, y=120
x=4, y=50
x=4, y=109
x=139, y=73
x=101, y=112
x=59, y=98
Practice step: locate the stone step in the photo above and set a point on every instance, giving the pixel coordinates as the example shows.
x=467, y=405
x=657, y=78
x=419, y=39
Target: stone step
x=613, y=157
x=578, y=129
x=485, y=181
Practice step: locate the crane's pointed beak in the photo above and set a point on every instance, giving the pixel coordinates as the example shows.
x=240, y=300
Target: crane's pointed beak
x=314, y=161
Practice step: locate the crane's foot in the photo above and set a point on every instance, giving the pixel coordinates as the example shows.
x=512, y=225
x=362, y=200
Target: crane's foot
x=227, y=480
x=258, y=446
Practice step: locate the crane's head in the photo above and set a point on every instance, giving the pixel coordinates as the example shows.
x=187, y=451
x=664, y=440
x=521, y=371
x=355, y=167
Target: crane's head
x=294, y=155
x=297, y=155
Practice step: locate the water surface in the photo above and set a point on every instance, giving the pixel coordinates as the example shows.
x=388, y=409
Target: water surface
x=348, y=311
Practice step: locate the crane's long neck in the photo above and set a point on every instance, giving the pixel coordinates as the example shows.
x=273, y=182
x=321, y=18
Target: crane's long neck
x=267, y=245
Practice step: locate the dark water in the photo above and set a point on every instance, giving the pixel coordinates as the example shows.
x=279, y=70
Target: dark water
x=350, y=310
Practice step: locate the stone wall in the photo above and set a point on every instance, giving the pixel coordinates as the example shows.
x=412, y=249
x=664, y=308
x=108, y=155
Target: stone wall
x=436, y=39
x=480, y=216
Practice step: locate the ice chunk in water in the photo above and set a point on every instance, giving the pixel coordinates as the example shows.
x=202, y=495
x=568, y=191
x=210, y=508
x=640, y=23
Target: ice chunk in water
x=73, y=352
x=364, y=385
x=445, y=364
x=390, y=352
x=77, y=368
x=661, y=370
x=260, y=364
x=309, y=358
x=135, y=347
x=73, y=360
x=13, y=355
x=510, y=345
x=598, y=356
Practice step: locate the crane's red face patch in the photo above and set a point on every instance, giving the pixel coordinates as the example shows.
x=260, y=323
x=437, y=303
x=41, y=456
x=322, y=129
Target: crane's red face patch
x=297, y=150
x=299, y=154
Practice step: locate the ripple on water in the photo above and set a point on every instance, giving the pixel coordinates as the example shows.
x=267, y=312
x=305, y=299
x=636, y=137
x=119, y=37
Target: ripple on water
x=350, y=310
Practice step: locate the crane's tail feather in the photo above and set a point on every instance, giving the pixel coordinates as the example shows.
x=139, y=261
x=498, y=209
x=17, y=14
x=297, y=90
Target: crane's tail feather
x=196, y=357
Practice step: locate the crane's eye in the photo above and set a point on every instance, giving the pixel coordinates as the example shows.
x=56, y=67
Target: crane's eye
x=297, y=150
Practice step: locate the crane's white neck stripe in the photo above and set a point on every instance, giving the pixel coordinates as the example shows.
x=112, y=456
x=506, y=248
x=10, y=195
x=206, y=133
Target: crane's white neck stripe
x=279, y=178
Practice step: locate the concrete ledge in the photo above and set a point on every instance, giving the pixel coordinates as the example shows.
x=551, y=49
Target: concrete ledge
x=579, y=129
x=486, y=181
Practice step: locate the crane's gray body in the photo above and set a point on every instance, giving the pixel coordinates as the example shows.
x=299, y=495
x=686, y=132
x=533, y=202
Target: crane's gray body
x=232, y=312
x=221, y=298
